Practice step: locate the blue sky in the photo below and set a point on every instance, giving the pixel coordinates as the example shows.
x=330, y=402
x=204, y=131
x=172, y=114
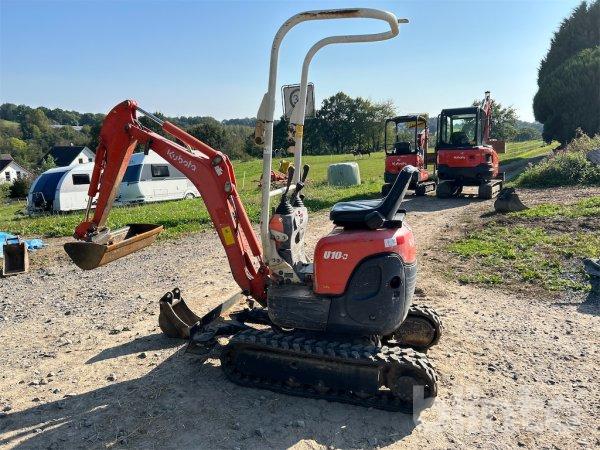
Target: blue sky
x=211, y=58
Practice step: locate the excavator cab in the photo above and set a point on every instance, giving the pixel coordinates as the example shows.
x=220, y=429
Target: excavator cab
x=460, y=128
x=408, y=147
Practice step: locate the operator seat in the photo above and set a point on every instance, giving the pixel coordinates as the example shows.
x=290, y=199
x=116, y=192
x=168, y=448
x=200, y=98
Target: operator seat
x=402, y=148
x=459, y=138
x=374, y=214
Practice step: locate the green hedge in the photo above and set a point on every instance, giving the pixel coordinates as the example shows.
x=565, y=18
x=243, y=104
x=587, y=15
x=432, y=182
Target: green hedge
x=568, y=167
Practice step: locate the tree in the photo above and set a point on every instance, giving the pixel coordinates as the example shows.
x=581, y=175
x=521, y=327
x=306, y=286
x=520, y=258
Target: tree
x=527, y=134
x=211, y=133
x=568, y=94
x=47, y=163
x=35, y=123
x=569, y=98
x=504, y=121
x=579, y=31
x=344, y=123
x=19, y=188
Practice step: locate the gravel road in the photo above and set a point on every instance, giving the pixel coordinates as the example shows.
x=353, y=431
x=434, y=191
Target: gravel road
x=83, y=363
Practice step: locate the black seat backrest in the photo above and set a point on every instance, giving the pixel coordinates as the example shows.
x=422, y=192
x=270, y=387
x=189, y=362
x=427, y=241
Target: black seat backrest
x=402, y=148
x=459, y=138
x=388, y=213
x=391, y=203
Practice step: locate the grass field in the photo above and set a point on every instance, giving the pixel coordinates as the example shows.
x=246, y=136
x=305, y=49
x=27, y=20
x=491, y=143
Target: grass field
x=521, y=151
x=543, y=246
x=190, y=215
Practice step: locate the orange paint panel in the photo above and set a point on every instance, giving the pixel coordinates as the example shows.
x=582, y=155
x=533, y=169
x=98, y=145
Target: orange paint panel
x=340, y=252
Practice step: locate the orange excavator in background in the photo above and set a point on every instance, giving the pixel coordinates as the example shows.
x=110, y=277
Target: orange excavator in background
x=465, y=154
x=341, y=326
x=406, y=152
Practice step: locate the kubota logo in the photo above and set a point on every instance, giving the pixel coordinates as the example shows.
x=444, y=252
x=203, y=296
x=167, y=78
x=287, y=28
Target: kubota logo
x=329, y=254
x=178, y=158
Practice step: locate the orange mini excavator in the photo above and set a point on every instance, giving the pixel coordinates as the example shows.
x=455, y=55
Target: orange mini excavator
x=466, y=156
x=340, y=327
x=406, y=152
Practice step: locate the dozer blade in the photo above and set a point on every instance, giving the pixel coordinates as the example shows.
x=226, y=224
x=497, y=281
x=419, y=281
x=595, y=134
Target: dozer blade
x=121, y=242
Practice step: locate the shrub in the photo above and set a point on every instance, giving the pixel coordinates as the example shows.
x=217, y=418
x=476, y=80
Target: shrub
x=19, y=188
x=568, y=167
x=4, y=187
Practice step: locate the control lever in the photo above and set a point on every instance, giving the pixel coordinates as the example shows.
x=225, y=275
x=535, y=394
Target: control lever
x=296, y=200
x=284, y=206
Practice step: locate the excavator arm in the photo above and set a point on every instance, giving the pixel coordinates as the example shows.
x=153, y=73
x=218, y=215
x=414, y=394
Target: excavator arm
x=208, y=169
x=486, y=106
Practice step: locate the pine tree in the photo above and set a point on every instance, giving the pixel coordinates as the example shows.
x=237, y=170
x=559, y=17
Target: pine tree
x=568, y=94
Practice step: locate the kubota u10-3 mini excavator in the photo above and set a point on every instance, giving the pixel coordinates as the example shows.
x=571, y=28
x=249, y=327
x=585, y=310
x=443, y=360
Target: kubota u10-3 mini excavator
x=340, y=328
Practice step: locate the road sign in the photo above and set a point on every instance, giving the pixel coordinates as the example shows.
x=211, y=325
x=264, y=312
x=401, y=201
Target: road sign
x=291, y=95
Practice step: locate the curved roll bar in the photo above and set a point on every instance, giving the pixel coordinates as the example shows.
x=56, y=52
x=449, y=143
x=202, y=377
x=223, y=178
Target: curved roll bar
x=266, y=112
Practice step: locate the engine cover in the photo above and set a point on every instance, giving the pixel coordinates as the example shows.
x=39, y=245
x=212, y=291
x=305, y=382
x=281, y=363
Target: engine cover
x=376, y=301
x=338, y=254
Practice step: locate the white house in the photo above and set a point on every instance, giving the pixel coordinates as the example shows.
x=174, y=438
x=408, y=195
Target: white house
x=70, y=155
x=10, y=170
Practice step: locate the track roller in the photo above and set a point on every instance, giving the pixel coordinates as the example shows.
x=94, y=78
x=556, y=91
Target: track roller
x=421, y=329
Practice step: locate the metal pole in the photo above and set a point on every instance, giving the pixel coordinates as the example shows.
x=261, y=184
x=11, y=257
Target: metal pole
x=266, y=111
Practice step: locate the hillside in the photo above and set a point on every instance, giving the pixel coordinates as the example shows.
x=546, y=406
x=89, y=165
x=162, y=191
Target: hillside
x=342, y=124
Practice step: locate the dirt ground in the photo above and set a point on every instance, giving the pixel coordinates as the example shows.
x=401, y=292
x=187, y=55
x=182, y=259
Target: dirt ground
x=83, y=363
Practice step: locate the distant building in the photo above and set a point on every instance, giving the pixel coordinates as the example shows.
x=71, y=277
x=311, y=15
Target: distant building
x=75, y=127
x=70, y=155
x=10, y=170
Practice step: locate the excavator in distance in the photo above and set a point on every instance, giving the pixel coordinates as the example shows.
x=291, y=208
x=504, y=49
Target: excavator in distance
x=408, y=152
x=339, y=327
x=465, y=154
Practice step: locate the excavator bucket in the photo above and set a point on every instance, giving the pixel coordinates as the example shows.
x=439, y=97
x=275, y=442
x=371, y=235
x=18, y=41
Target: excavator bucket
x=119, y=243
x=16, y=258
x=176, y=318
x=508, y=201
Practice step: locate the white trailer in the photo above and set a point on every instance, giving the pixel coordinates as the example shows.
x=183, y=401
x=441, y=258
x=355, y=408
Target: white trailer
x=148, y=178
x=60, y=189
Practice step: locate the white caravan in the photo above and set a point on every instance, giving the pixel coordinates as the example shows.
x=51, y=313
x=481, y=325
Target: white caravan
x=60, y=189
x=148, y=178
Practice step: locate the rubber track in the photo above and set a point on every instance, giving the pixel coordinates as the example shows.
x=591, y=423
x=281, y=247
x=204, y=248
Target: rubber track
x=344, y=353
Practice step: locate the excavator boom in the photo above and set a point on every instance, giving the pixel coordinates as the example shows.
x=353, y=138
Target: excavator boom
x=208, y=169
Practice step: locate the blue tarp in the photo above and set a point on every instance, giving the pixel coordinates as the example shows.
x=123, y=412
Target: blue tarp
x=32, y=244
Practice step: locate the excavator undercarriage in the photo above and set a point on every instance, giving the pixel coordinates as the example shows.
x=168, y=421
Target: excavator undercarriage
x=389, y=373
